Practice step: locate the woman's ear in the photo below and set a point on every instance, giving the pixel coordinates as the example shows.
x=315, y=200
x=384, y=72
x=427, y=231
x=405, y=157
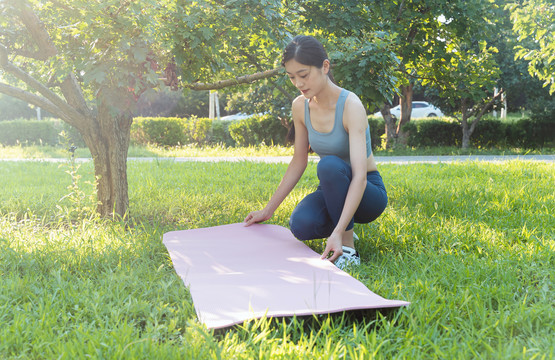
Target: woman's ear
x=326, y=66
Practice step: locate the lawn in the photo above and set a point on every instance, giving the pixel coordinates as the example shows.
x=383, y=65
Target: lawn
x=470, y=245
x=38, y=152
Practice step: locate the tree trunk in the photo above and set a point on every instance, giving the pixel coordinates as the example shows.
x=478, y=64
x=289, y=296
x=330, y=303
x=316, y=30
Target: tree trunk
x=466, y=132
x=406, y=110
x=108, y=140
x=390, y=133
x=466, y=138
x=467, y=129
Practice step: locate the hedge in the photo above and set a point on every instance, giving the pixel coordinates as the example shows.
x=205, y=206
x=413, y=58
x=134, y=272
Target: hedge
x=524, y=133
x=37, y=132
x=157, y=130
x=174, y=131
x=259, y=129
x=433, y=133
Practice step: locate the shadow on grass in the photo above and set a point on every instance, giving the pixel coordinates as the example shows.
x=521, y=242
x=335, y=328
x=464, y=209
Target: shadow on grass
x=308, y=324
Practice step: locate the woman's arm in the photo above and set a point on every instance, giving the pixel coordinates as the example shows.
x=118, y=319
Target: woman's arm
x=355, y=122
x=294, y=171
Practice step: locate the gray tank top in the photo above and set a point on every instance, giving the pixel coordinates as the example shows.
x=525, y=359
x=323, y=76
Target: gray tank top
x=335, y=142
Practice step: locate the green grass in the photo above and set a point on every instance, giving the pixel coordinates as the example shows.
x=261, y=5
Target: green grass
x=38, y=152
x=471, y=246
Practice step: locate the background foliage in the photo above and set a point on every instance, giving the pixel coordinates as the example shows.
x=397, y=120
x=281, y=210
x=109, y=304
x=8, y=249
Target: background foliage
x=34, y=132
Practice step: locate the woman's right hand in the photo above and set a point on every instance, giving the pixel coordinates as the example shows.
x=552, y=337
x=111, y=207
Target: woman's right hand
x=256, y=217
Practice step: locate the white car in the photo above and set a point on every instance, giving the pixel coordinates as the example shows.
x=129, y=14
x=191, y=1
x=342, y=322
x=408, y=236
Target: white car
x=238, y=116
x=420, y=109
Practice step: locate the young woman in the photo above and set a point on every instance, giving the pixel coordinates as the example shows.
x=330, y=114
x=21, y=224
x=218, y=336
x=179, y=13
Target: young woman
x=333, y=122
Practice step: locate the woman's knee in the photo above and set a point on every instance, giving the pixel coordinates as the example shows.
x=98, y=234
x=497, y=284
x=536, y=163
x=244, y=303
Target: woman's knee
x=332, y=166
x=301, y=225
x=371, y=207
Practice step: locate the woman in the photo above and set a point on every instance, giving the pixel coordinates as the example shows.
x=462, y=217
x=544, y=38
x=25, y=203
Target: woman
x=333, y=122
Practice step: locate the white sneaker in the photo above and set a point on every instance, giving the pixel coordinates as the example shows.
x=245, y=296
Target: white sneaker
x=349, y=257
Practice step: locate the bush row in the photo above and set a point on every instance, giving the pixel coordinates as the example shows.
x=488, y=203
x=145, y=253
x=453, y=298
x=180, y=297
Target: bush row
x=525, y=133
x=258, y=129
x=168, y=132
x=175, y=131
x=35, y=132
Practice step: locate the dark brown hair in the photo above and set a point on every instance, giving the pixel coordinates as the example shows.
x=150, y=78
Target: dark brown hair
x=306, y=50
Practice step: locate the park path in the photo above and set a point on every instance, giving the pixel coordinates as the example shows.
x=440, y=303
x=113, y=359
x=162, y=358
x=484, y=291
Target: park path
x=431, y=159
x=434, y=159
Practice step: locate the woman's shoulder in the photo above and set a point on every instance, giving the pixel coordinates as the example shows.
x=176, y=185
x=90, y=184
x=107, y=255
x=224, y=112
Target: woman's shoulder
x=299, y=101
x=297, y=108
x=353, y=99
x=354, y=107
x=298, y=104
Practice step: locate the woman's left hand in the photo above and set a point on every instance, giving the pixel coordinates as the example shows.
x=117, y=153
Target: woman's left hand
x=334, y=244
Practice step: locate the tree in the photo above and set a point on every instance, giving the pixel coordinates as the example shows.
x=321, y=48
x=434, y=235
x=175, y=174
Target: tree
x=88, y=62
x=464, y=83
x=534, y=22
x=362, y=55
x=514, y=78
x=263, y=97
x=411, y=29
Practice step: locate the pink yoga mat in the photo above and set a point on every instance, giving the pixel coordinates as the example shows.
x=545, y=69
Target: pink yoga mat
x=236, y=273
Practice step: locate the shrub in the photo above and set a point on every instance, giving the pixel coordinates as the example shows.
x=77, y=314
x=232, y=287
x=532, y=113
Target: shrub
x=433, y=133
x=541, y=130
x=524, y=133
x=220, y=133
x=175, y=131
x=258, y=129
x=377, y=130
x=35, y=132
x=490, y=133
x=197, y=130
x=161, y=131
x=532, y=133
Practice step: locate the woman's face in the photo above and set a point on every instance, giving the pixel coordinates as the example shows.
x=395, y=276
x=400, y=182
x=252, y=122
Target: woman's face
x=307, y=78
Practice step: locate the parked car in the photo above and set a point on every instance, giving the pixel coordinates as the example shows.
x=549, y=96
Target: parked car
x=238, y=116
x=420, y=109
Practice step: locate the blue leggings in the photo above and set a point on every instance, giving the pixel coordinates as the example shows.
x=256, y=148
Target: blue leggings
x=316, y=216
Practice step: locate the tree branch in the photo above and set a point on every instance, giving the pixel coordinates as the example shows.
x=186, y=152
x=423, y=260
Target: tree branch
x=400, y=11
x=36, y=55
x=482, y=112
x=253, y=61
x=37, y=31
x=31, y=99
x=417, y=77
x=70, y=112
x=69, y=87
x=246, y=79
x=74, y=96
